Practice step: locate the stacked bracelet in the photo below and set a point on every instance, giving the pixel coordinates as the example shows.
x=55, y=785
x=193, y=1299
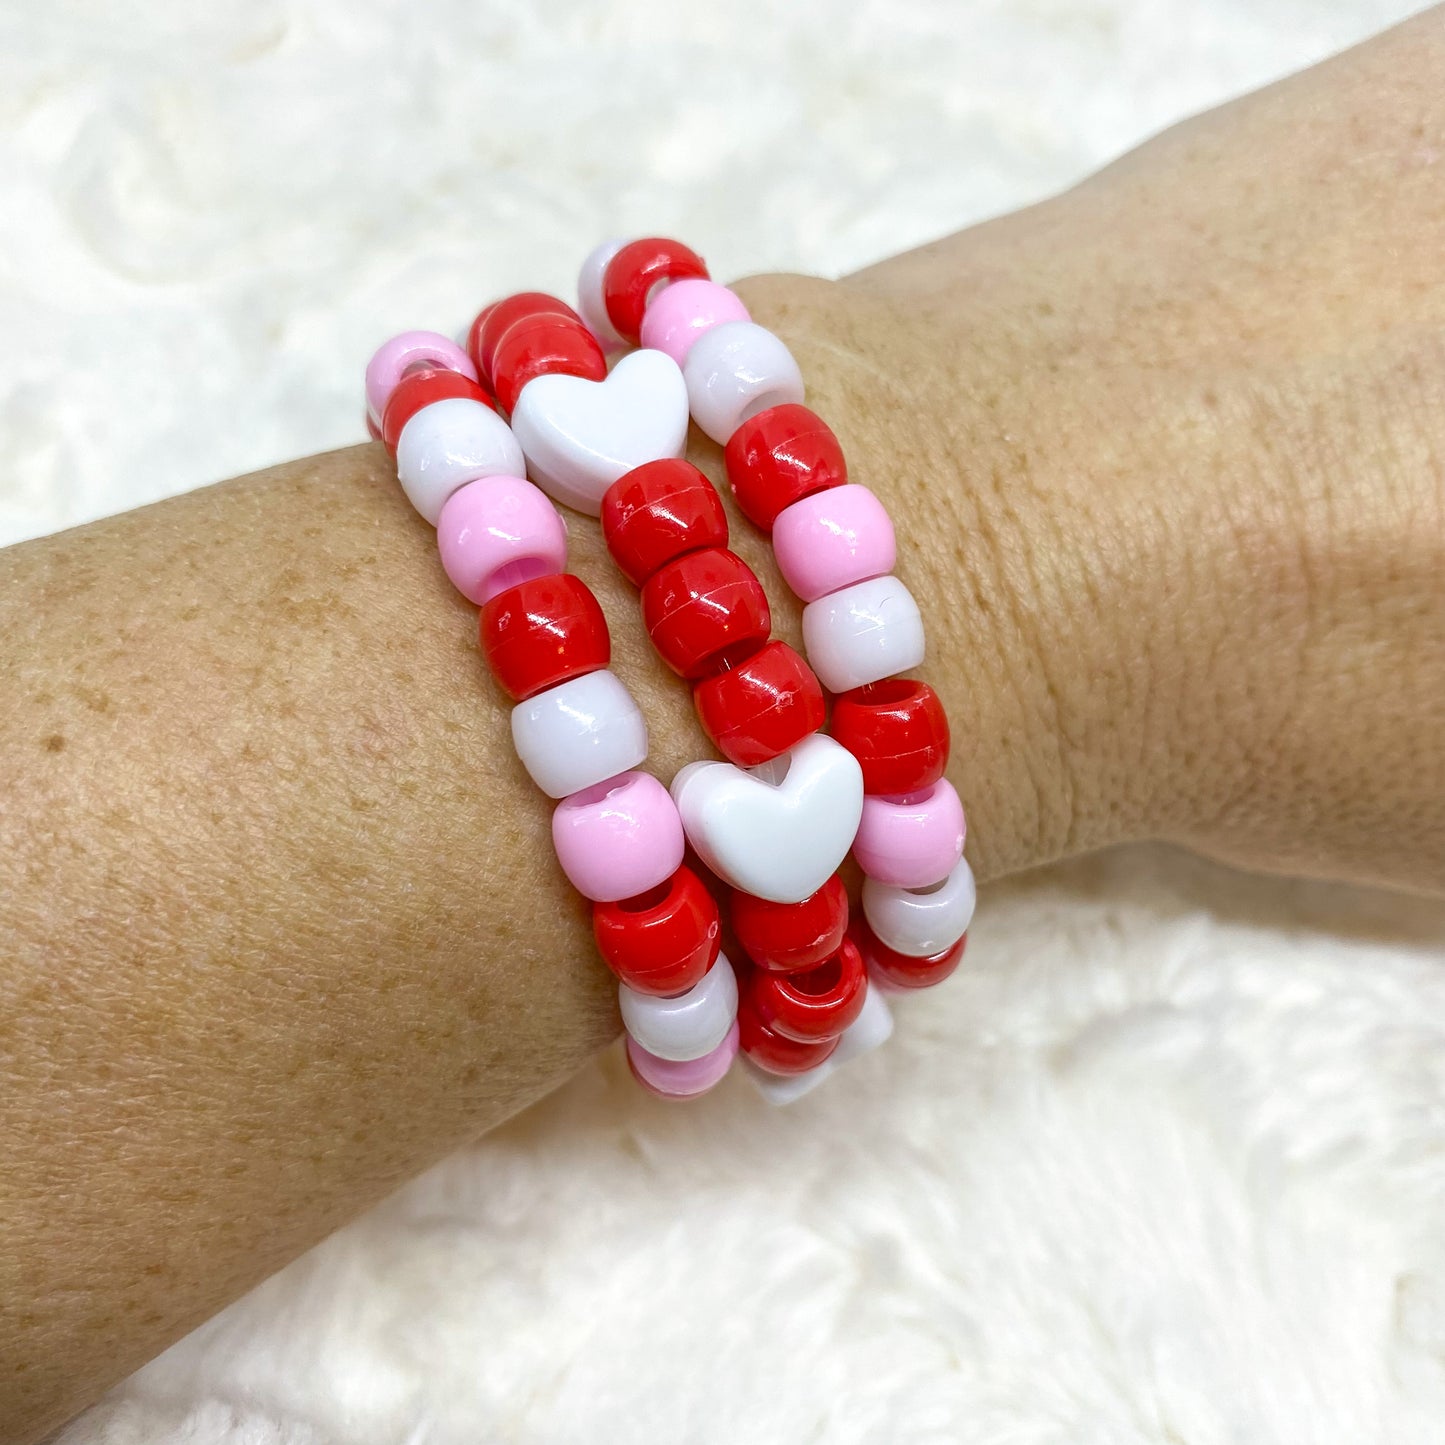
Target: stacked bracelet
x=775, y=819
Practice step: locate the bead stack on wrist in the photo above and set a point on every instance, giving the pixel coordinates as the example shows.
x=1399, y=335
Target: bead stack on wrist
x=836, y=548
x=775, y=819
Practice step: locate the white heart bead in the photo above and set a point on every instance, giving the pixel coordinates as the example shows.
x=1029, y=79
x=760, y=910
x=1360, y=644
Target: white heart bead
x=736, y=370
x=872, y=1027
x=591, y=306
x=579, y=733
x=921, y=922
x=690, y=1024
x=779, y=830
x=449, y=443
x=579, y=436
x=863, y=633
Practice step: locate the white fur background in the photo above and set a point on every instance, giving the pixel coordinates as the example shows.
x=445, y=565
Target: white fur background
x=1165, y=1163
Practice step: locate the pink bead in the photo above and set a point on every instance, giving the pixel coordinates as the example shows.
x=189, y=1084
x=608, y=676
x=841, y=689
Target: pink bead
x=682, y=311
x=832, y=540
x=394, y=358
x=497, y=532
x=619, y=838
x=912, y=841
x=669, y=1079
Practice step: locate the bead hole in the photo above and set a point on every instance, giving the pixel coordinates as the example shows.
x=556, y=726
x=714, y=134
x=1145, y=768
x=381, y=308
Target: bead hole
x=888, y=692
x=600, y=792
x=774, y=772
x=818, y=982
x=514, y=573
x=645, y=902
x=930, y=888
x=909, y=800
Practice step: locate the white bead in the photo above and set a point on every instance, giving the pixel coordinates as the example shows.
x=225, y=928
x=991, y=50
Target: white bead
x=919, y=922
x=863, y=633
x=591, y=306
x=579, y=436
x=734, y=371
x=872, y=1027
x=579, y=733
x=779, y=830
x=449, y=443
x=689, y=1025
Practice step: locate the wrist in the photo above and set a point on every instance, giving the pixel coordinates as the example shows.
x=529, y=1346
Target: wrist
x=1028, y=629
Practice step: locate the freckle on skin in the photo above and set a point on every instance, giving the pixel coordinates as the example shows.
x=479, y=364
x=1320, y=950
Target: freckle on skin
x=54, y=743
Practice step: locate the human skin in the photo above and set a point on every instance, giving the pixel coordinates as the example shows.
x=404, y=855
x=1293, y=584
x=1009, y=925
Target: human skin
x=279, y=920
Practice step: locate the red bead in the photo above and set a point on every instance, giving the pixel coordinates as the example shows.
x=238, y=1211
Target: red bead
x=897, y=968
x=780, y=456
x=815, y=1004
x=474, y=342
x=770, y=1051
x=498, y=318
x=635, y=270
x=659, y=511
x=542, y=632
x=420, y=388
x=705, y=611
x=786, y=937
x=762, y=706
x=539, y=346
x=898, y=732
x=662, y=942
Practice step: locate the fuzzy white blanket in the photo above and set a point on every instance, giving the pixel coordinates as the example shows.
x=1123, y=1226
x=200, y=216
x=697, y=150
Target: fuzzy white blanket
x=1164, y=1164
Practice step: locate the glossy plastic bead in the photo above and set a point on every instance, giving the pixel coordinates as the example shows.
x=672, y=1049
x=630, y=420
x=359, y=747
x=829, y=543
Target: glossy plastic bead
x=896, y=972
x=898, y=731
x=543, y=632
x=629, y=279
x=497, y=532
x=780, y=456
x=472, y=342
x=771, y=1052
x=678, y=1079
x=779, y=830
x=499, y=318
x=411, y=351
x=705, y=611
x=659, y=511
x=619, y=839
x=579, y=733
x=688, y=1025
x=734, y=372
x=762, y=706
x=681, y=312
x=832, y=540
x=580, y=436
x=450, y=443
x=813, y=1004
x=421, y=388
x=544, y=346
x=921, y=922
x=787, y=937
x=863, y=633
x=912, y=840
x=662, y=941
x=591, y=303
x=870, y=1030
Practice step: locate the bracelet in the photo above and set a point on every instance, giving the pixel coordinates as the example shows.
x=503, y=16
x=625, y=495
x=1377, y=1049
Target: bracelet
x=577, y=730
x=774, y=820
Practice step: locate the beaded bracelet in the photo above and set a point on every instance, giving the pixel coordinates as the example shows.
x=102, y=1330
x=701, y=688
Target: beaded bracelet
x=578, y=732
x=708, y=618
x=775, y=819
x=836, y=548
